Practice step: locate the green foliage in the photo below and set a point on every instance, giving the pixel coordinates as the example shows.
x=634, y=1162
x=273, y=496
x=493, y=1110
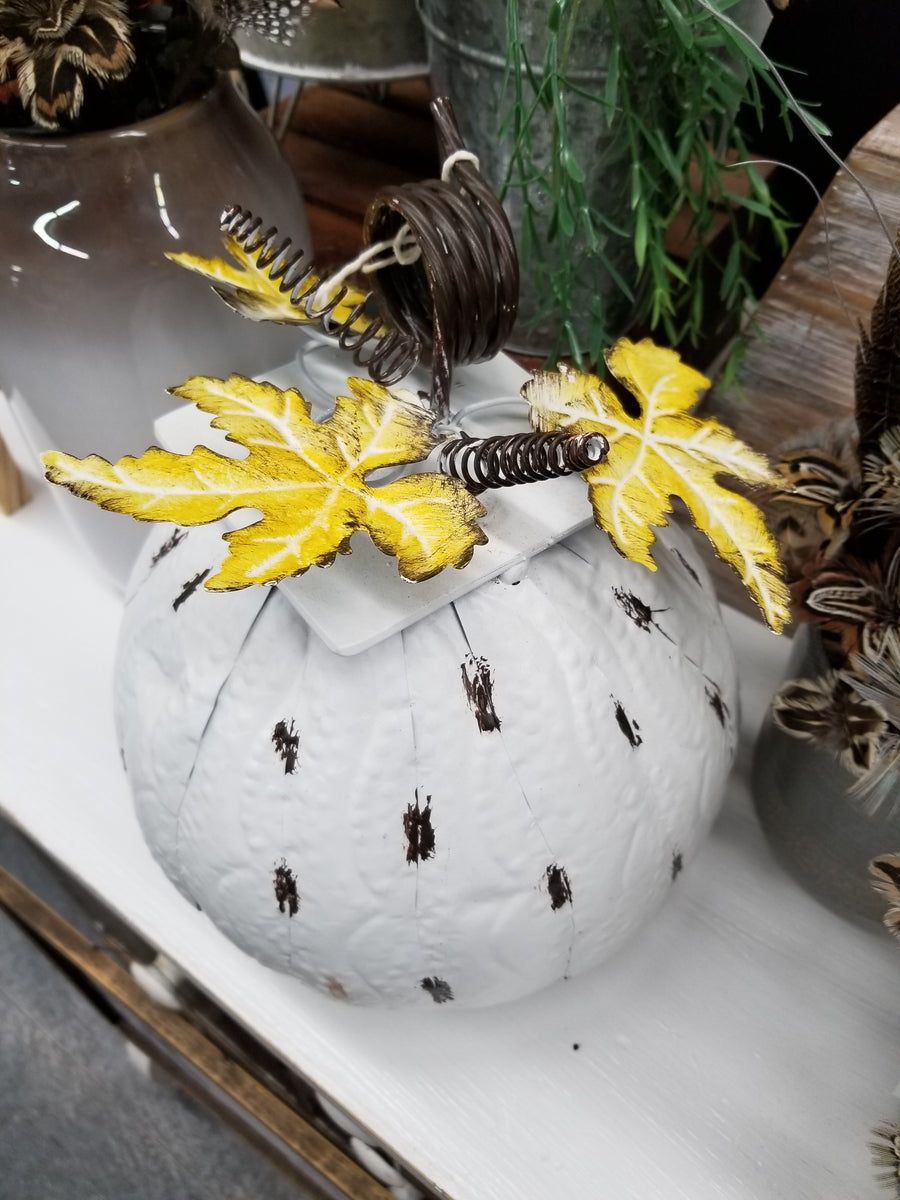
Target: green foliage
x=675, y=74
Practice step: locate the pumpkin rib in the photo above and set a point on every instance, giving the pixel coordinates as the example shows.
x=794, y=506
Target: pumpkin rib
x=415, y=758
x=209, y=718
x=552, y=807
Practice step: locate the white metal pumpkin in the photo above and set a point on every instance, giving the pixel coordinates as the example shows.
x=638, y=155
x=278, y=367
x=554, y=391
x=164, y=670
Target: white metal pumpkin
x=483, y=804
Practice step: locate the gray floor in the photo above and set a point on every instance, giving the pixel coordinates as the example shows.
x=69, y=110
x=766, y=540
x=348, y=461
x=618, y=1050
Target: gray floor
x=78, y=1120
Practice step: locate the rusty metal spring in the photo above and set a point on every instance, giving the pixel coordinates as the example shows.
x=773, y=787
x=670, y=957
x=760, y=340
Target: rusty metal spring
x=504, y=461
x=385, y=353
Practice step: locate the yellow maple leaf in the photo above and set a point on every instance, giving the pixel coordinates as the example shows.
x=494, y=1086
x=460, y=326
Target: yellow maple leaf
x=660, y=452
x=247, y=285
x=307, y=478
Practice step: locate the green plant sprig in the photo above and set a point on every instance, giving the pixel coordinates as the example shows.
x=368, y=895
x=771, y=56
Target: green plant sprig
x=675, y=76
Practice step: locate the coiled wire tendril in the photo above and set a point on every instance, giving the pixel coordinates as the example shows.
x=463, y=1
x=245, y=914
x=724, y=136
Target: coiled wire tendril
x=460, y=298
x=390, y=356
x=457, y=301
x=505, y=461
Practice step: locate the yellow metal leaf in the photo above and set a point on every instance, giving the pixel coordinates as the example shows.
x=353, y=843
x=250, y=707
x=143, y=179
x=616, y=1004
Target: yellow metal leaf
x=307, y=479
x=663, y=451
x=250, y=290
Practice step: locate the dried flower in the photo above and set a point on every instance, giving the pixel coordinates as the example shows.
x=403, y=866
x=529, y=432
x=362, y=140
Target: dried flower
x=51, y=46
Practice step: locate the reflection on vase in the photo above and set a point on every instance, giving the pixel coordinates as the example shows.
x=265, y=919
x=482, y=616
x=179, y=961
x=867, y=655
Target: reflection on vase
x=97, y=323
x=824, y=837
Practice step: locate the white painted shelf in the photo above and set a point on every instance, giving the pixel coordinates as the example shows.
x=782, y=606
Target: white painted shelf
x=740, y=1049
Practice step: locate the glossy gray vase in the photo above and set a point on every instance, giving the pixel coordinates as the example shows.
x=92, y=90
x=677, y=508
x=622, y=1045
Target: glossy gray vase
x=96, y=322
x=822, y=836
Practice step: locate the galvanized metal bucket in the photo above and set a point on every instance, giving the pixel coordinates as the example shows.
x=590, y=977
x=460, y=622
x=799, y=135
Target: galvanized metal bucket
x=467, y=55
x=467, y=42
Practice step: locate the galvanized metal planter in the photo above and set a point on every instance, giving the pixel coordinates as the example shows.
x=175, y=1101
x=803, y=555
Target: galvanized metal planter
x=467, y=57
x=467, y=49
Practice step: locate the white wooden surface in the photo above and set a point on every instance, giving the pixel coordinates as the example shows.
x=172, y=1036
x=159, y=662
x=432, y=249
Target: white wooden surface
x=740, y=1049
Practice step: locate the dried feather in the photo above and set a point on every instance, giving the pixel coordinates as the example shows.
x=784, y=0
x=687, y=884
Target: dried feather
x=880, y=503
x=885, y=872
x=854, y=597
x=885, y=1153
x=826, y=710
x=812, y=511
x=877, y=374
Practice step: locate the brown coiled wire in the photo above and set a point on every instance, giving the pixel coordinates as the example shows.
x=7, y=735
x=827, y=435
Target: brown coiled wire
x=505, y=461
x=385, y=353
x=459, y=300
x=456, y=303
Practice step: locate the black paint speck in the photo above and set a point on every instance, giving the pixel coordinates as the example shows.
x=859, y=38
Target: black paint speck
x=479, y=685
x=286, y=741
x=687, y=566
x=634, y=608
x=189, y=588
x=558, y=886
x=576, y=1045
x=717, y=704
x=286, y=889
x=677, y=865
x=178, y=535
x=628, y=727
x=419, y=831
x=439, y=990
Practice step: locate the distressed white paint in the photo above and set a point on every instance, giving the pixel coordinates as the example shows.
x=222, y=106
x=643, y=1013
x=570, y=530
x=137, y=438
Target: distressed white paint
x=564, y=789
x=740, y=1048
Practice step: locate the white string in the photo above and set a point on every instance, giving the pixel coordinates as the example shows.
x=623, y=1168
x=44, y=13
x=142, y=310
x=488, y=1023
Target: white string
x=399, y=251
x=458, y=156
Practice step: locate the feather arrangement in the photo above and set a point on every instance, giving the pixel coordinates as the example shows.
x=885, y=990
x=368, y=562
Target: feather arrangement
x=84, y=65
x=838, y=526
x=51, y=47
x=885, y=1151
